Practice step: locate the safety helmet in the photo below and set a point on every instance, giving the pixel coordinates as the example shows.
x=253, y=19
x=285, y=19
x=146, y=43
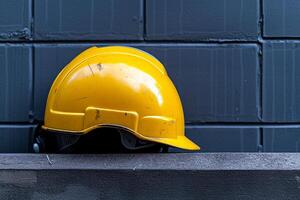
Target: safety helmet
x=120, y=87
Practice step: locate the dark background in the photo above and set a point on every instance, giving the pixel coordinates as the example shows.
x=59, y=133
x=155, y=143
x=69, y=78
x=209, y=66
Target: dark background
x=235, y=63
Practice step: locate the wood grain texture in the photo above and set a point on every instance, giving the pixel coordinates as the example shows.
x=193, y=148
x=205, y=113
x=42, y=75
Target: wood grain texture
x=150, y=176
x=152, y=162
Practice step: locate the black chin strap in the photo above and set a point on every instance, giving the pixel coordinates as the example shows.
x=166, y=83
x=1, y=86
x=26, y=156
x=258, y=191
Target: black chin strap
x=132, y=143
x=165, y=149
x=66, y=144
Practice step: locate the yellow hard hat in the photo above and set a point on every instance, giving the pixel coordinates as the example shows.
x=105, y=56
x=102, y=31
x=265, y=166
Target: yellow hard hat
x=116, y=86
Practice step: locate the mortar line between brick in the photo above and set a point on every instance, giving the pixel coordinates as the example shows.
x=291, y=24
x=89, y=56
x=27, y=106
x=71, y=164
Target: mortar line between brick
x=260, y=82
x=187, y=125
x=254, y=124
x=242, y=126
x=32, y=19
x=144, y=19
x=32, y=51
x=32, y=57
x=260, y=57
x=261, y=19
x=175, y=42
x=260, y=41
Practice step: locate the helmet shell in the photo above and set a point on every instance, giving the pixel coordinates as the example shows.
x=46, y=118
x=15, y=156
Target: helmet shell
x=117, y=86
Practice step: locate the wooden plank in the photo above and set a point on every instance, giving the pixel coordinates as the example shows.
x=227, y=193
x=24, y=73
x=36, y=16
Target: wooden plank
x=169, y=161
x=150, y=176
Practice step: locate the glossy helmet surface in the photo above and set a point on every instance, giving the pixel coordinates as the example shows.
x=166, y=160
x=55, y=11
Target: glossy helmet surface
x=120, y=87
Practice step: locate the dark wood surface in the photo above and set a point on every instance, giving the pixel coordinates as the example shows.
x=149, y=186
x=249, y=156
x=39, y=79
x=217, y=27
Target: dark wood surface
x=150, y=176
x=160, y=161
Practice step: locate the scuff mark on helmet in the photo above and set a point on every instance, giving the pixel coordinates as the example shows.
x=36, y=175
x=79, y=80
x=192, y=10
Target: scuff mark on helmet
x=99, y=66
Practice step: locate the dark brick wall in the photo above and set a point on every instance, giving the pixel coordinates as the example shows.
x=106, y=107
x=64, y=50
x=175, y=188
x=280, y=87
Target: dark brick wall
x=234, y=63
